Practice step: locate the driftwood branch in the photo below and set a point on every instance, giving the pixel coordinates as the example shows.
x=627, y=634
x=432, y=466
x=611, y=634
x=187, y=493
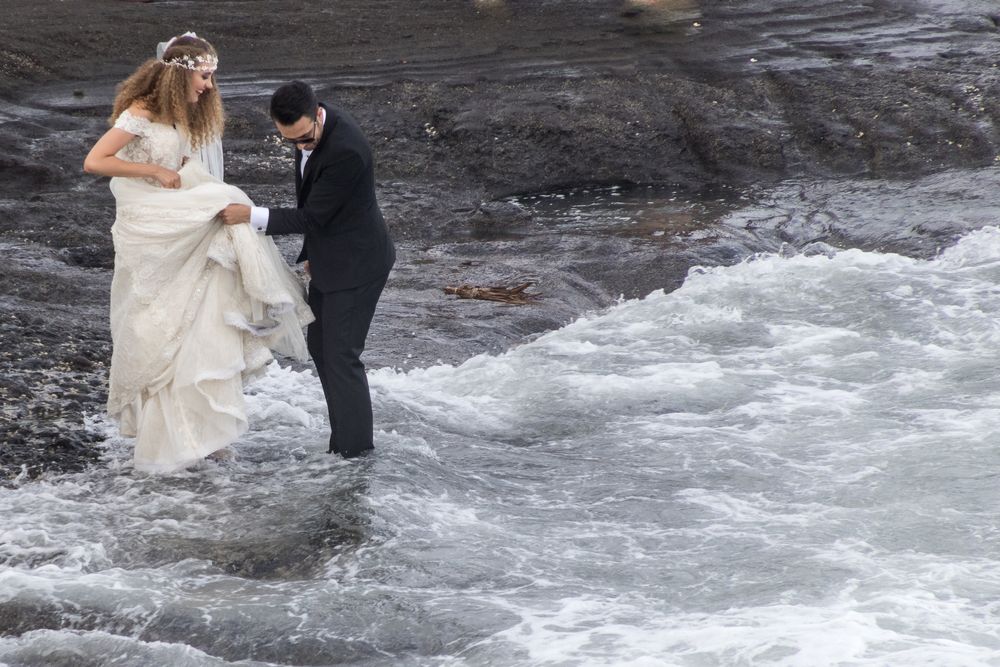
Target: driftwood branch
x=515, y=295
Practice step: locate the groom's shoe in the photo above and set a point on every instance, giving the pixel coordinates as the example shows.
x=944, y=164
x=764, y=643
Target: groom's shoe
x=359, y=454
x=333, y=447
x=349, y=453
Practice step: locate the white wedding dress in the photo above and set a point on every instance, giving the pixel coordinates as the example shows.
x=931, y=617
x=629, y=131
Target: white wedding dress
x=196, y=306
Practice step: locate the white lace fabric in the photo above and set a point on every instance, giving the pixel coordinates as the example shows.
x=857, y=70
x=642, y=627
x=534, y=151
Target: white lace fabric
x=155, y=143
x=196, y=307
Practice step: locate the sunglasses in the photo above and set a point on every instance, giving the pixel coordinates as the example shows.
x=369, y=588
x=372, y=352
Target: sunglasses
x=308, y=139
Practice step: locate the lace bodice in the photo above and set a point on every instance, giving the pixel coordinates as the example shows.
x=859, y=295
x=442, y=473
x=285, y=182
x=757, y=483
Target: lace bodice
x=155, y=143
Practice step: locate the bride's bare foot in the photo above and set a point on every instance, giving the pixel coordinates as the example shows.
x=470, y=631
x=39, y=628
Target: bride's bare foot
x=224, y=454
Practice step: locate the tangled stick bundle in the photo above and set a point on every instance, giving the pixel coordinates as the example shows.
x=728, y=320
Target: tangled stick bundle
x=515, y=295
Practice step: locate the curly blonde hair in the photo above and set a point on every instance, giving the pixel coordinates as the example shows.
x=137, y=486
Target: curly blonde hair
x=163, y=90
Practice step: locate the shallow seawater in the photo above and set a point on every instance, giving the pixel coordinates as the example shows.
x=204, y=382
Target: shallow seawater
x=792, y=460
x=912, y=217
x=641, y=212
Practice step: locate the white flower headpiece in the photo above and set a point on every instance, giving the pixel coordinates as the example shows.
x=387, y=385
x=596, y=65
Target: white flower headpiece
x=205, y=63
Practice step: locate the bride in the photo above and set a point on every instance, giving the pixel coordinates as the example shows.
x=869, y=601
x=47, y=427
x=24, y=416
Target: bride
x=196, y=306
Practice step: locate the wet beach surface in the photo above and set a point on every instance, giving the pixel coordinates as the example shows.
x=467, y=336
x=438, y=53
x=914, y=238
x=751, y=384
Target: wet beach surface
x=598, y=149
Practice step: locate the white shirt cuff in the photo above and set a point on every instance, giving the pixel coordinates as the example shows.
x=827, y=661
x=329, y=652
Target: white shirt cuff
x=259, y=217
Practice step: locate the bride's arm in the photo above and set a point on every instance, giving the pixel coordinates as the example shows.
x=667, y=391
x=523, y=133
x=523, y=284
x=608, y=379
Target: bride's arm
x=101, y=160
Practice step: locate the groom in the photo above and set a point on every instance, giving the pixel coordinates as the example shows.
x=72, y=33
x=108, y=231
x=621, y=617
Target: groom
x=346, y=248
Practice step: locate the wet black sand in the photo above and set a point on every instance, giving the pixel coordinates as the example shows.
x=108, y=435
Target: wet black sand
x=465, y=103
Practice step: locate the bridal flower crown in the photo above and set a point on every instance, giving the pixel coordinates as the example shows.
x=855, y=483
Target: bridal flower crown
x=205, y=63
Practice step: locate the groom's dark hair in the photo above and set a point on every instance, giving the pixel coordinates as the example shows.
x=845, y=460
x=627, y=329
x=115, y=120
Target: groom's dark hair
x=292, y=101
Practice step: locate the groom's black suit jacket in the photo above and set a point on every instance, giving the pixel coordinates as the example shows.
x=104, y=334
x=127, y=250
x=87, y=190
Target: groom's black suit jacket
x=346, y=239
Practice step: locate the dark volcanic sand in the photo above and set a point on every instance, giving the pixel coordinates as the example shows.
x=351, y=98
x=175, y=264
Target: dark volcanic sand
x=466, y=102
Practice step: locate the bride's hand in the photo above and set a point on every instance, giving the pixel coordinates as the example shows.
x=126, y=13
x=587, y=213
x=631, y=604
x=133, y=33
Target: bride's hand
x=167, y=178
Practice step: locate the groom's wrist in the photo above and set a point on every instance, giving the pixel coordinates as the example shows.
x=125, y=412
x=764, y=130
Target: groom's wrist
x=259, y=217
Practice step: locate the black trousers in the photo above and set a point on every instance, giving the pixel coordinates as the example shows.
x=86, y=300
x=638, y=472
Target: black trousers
x=336, y=340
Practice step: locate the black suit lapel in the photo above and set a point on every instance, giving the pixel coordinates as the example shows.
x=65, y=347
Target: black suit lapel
x=306, y=178
x=329, y=122
x=298, y=175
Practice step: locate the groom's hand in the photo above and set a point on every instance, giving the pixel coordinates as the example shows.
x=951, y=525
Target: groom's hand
x=235, y=214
